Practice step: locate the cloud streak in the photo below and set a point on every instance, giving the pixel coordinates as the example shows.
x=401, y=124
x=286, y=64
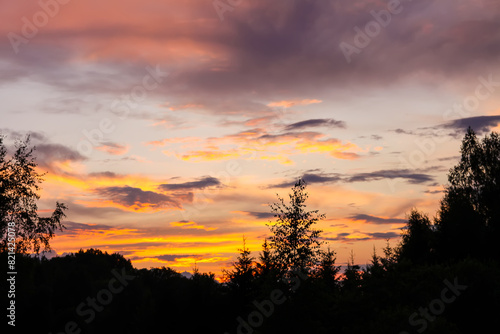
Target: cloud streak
x=113, y=148
x=201, y=183
x=137, y=198
x=325, y=122
x=410, y=176
x=480, y=124
x=377, y=220
x=346, y=237
x=175, y=258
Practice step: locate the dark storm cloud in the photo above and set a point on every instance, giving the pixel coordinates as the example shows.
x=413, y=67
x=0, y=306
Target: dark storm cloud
x=130, y=196
x=378, y=220
x=327, y=122
x=201, y=183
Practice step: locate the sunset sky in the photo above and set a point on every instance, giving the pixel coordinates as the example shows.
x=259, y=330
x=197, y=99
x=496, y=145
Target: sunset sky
x=167, y=127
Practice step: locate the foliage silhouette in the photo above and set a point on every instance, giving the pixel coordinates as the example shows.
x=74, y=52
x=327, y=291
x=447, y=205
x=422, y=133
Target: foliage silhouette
x=19, y=186
x=295, y=243
x=418, y=239
x=326, y=269
x=468, y=222
x=242, y=276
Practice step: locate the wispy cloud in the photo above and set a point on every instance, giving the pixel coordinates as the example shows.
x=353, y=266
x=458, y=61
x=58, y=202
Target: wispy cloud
x=325, y=122
x=411, y=176
x=377, y=220
x=201, y=183
x=319, y=178
x=346, y=237
x=184, y=224
x=113, y=148
x=136, y=198
x=176, y=257
x=292, y=103
x=480, y=124
x=256, y=214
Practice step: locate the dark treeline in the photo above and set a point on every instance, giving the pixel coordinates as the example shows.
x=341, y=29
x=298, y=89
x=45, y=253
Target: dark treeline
x=443, y=276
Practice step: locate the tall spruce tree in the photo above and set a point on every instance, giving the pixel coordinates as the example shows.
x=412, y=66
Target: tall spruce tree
x=295, y=242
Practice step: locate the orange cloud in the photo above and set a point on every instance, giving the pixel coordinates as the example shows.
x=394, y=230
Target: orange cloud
x=191, y=224
x=291, y=103
x=210, y=155
x=113, y=148
x=259, y=120
x=133, y=193
x=259, y=144
x=176, y=140
x=332, y=146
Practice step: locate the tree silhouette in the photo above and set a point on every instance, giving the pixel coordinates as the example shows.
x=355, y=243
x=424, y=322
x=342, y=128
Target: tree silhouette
x=417, y=243
x=469, y=216
x=19, y=184
x=242, y=276
x=327, y=270
x=265, y=264
x=295, y=243
x=352, y=274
